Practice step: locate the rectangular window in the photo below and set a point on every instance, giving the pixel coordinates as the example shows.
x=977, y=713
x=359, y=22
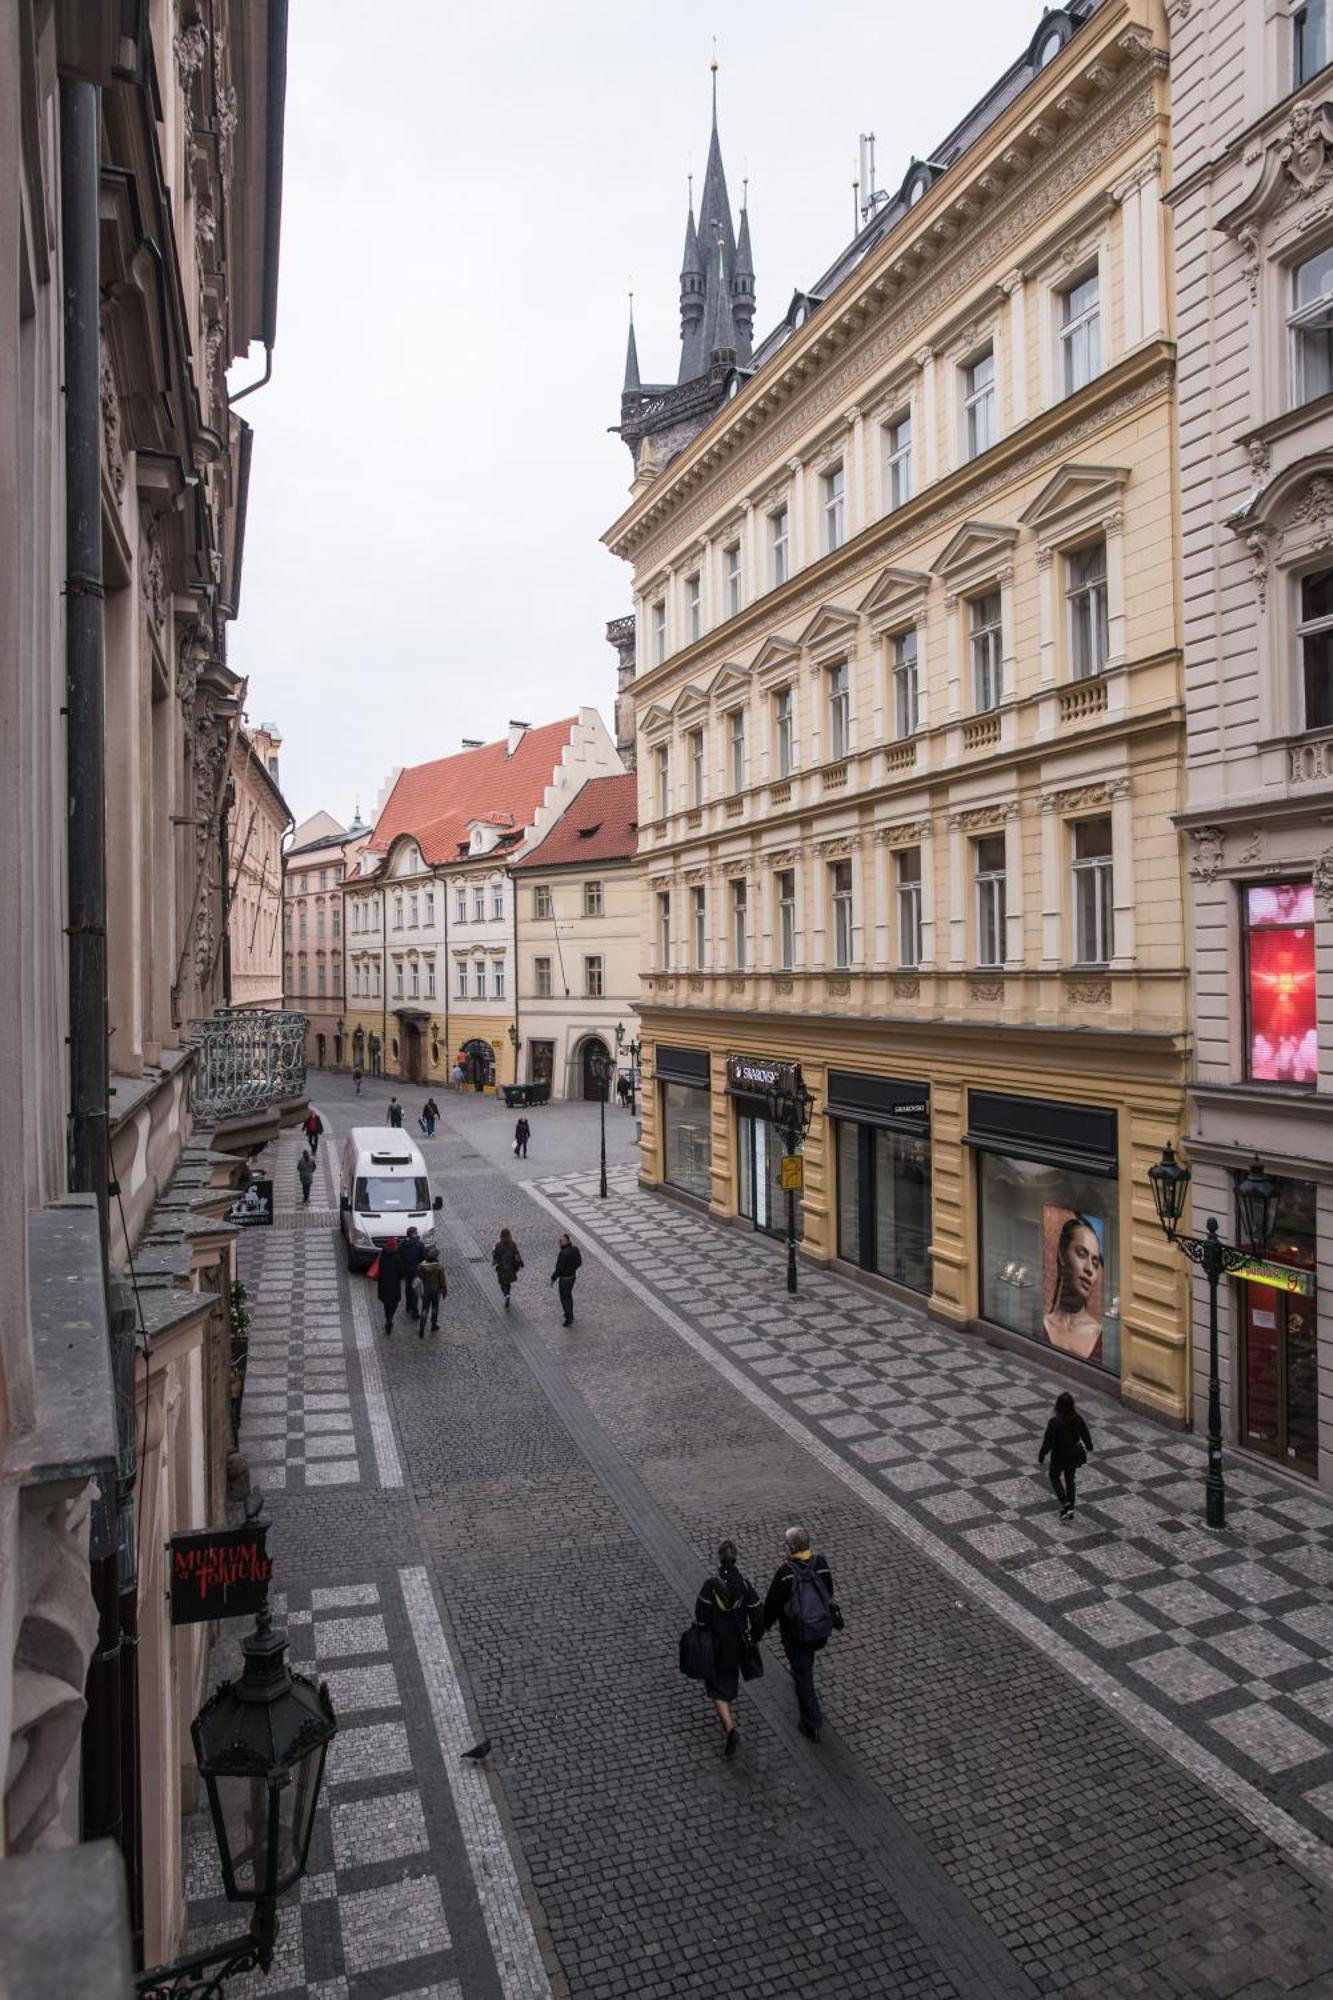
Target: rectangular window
x=907, y=870
x=497, y=902
x=479, y=906
x=1080, y=333
x=662, y=777
x=1311, y=324
x=430, y=978
x=740, y=899
x=460, y=905
x=699, y=926
x=305, y=980
x=898, y=461
x=319, y=922
x=337, y=922
x=413, y=912
x=659, y=631
x=687, y=1138
x=694, y=747
x=398, y=978
x=462, y=979
x=301, y=927
x=541, y=975
x=840, y=889
x=1094, y=901
x=693, y=606
x=323, y=878
x=731, y=557
x=592, y=899
x=415, y=979
x=1309, y=26
x=987, y=652
x=979, y=403
x=337, y=975
x=988, y=873
x=783, y=729
x=839, y=711
x=1281, y=1025
x=664, y=929
x=1315, y=634
x=398, y=911
x=541, y=900
x=786, y=887
x=497, y=979
x=319, y=976
x=834, y=485
x=736, y=748
x=1089, y=626
x=479, y=979
x=427, y=909
x=592, y=978
x=778, y=546
x=906, y=685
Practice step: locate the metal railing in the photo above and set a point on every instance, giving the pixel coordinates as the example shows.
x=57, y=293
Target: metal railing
x=248, y=1058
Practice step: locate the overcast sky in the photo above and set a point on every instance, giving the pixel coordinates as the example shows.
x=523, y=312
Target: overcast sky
x=469, y=194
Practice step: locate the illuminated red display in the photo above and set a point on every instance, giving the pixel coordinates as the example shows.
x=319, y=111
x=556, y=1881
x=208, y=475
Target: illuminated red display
x=1283, y=1036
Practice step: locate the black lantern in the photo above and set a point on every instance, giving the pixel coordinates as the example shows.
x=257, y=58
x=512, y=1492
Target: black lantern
x=790, y=1111
x=1170, y=1185
x=1257, y=1199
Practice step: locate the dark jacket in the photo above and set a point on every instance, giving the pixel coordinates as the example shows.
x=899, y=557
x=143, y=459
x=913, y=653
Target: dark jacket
x=389, y=1283
x=729, y=1606
x=305, y=1169
x=314, y=1123
x=431, y=1275
x=411, y=1252
x=1068, y=1441
x=775, y=1604
x=568, y=1258
x=522, y=1130
x=395, y=1114
x=507, y=1261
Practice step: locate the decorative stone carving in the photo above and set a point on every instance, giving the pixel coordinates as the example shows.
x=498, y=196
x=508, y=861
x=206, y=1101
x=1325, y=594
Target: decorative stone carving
x=1090, y=992
x=1209, y=852
x=977, y=818
x=839, y=989
x=838, y=848
x=113, y=444
x=907, y=835
x=1135, y=42
x=1306, y=147
x=1248, y=238
x=1260, y=457
x=152, y=573
x=906, y=989
x=1081, y=798
x=1256, y=547
x=783, y=986
x=1316, y=506
x=696, y=986
x=987, y=990
x=736, y=986
x=1323, y=880
x=205, y=223
x=57, y=1633
x=1308, y=762
x=1252, y=853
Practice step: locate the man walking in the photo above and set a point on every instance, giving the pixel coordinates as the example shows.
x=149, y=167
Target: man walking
x=410, y=1254
x=305, y=1168
x=522, y=1133
x=567, y=1261
x=430, y=1112
x=314, y=1125
x=433, y=1288
x=356, y=1079
x=800, y=1602
x=395, y=1112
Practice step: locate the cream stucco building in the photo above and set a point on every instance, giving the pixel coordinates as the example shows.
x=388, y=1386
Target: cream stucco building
x=908, y=701
x=257, y=820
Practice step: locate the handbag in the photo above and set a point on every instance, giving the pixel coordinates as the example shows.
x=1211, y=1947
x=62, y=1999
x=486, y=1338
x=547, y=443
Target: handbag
x=696, y=1653
x=752, y=1662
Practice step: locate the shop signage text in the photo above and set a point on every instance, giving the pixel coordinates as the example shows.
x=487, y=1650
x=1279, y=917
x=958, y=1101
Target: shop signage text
x=1281, y=1277
x=793, y=1173
x=253, y=1207
x=219, y=1573
x=755, y=1076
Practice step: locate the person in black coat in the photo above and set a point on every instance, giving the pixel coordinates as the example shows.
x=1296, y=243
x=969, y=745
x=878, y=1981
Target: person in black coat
x=728, y=1604
x=395, y=1112
x=779, y=1610
x=411, y=1251
x=508, y=1262
x=1067, y=1443
x=568, y=1258
x=522, y=1133
x=389, y=1283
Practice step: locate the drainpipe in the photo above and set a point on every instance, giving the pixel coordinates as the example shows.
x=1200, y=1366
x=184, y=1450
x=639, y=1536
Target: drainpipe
x=445, y=970
x=384, y=981
x=224, y=883
x=518, y=1031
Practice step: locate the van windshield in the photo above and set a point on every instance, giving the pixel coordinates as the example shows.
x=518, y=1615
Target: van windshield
x=400, y=1196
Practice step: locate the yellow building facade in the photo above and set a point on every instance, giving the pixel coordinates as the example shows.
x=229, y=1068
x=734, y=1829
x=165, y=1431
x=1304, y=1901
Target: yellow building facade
x=908, y=700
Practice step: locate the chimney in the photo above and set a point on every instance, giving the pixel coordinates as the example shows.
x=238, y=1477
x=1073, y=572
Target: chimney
x=517, y=731
x=473, y=743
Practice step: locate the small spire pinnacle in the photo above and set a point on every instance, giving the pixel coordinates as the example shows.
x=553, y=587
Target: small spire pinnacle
x=713, y=67
x=631, y=382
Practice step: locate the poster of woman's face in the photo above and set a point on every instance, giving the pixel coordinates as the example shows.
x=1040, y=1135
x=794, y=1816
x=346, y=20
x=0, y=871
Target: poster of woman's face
x=1074, y=1267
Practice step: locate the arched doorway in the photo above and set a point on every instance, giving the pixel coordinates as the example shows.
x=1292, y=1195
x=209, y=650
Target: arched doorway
x=337, y=1052
x=478, y=1064
x=589, y=1052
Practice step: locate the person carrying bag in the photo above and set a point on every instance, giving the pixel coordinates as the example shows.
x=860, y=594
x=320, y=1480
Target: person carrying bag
x=725, y=1615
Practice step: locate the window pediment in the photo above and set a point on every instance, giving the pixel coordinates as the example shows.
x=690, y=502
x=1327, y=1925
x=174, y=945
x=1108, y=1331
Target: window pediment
x=728, y=682
x=894, y=592
x=832, y=626
x=1297, y=159
x=1289, y=519
x=978, y=547
x=691, y=700
x=1073, y=497
x=775, y=653
x=657, y=720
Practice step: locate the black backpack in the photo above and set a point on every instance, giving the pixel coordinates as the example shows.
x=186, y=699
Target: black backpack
x=808, y=1617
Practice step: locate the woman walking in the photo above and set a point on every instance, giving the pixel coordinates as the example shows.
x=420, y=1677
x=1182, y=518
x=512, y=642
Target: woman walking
x=507, y=1261
x=389, y=1283
x=1067, y=1443
x=728, y=1604
x=433, y=1288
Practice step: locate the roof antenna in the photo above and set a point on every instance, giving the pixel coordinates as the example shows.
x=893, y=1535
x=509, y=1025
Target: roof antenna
x=713, y=66
x=856, y=203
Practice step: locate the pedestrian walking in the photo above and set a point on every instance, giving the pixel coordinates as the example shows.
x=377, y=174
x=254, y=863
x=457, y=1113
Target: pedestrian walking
x=522, y=1133
x=305, y=1168
x=430, y=1113
x=356, y=1079
x=1067, y=1443
x=456, y=1076
x=433, y=1288
x=411, y=1251
x=389, y=1281
x=508, y=1262
x=801, y=1604
x=728, y=1605
x=314, y=1125
x=568, y=1258
x=395, y=1112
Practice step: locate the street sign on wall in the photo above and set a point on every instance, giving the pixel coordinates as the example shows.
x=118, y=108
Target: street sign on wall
x=219, y=1573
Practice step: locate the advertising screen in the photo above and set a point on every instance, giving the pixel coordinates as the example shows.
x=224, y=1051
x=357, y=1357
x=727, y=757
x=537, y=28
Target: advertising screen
x=1282, y=1032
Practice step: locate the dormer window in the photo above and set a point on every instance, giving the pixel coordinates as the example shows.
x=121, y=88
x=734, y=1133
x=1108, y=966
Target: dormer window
x=1050, y=48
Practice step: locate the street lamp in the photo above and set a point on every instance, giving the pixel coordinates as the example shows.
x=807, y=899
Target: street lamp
x=1256, y=1199
x=635, y=1051
x=790, y=1110
x=260, y=1743
x=599, y=1065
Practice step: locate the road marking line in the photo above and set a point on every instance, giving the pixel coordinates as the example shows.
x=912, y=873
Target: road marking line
x=518, y=1959
x=387, y=1460
x=1304, y=1848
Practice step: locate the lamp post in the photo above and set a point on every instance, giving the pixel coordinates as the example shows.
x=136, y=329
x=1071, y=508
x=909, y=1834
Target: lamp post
x=1256, y=1200
x=635, y=1050
x=790, y=1110
x=599, y=1063
x=260, y=1743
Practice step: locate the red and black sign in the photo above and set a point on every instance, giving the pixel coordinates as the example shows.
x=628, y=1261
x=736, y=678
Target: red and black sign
x=219, y=1573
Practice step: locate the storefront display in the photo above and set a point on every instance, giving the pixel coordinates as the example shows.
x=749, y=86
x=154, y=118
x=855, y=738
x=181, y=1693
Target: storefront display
x=882, y=1139
x=1282, y=1031
x=685, y=1109
x=760, y=1145
x=1048, y=1205
x=1278, y=1329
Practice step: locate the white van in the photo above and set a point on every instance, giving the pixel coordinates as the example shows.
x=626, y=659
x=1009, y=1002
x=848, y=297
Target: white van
x=384, y=1191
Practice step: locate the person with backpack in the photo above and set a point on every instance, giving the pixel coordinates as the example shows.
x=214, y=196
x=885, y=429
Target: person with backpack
x=305, y=1173
x=728, y=1607
x=508, y=1262
x=430, y=1279
x=1067, y=1443
x=389, y=1281
x=314, y=1125
x=800, y=1603
x=568, y=1260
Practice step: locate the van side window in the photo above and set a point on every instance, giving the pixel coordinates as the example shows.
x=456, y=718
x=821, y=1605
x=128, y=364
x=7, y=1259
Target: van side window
x=382, y=1195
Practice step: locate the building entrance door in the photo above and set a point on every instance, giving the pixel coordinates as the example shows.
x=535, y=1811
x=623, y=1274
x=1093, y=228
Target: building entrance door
x=413, y=1065
x=1279, y=1333
x=759, y=1192
x=541, y=1062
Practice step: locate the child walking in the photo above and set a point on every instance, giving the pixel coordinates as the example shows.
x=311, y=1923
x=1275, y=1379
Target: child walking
x=1067, y=1443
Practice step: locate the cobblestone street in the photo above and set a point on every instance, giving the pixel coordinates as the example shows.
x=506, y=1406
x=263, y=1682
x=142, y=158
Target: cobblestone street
x=1077, y=1758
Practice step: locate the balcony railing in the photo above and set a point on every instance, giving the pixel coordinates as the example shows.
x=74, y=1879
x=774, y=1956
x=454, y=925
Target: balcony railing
x=248, y=1059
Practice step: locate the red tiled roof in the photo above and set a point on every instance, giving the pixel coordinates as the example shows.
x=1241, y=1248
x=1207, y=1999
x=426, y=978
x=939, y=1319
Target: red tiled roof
x=435, y=802
x=601, y=825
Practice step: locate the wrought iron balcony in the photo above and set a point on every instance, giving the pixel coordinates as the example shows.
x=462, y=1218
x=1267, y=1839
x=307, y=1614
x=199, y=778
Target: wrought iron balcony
x=248, y=1059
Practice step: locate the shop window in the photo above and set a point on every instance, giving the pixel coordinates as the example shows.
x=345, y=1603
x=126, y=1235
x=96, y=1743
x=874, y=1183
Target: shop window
x=1310, y=324
x=786, y=889
x=840, y=892
x=693, y=606
x=1278, y=1327
x=694, y=750
x=779, y=550
x=988, y=869
x=687, y=1143
x=1310, y=44
x=1282, y=1044
x=736, y=749
x=699, y=925
x=1089, y=622
x=1080, y=333
x=664, y=930
x=1315, y=636
x=541, y=976
x=834, y=484
x=1094, y=899
x=979, y=403
x=839, y=711
x=541, y=900
x=760, y=1196
x=882, y=1152
x=592, y=899
x=906, y=685
x=898, y=460
x=784, y=732
x=907, y=869
x=987, y=651
x=1049, y=1248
